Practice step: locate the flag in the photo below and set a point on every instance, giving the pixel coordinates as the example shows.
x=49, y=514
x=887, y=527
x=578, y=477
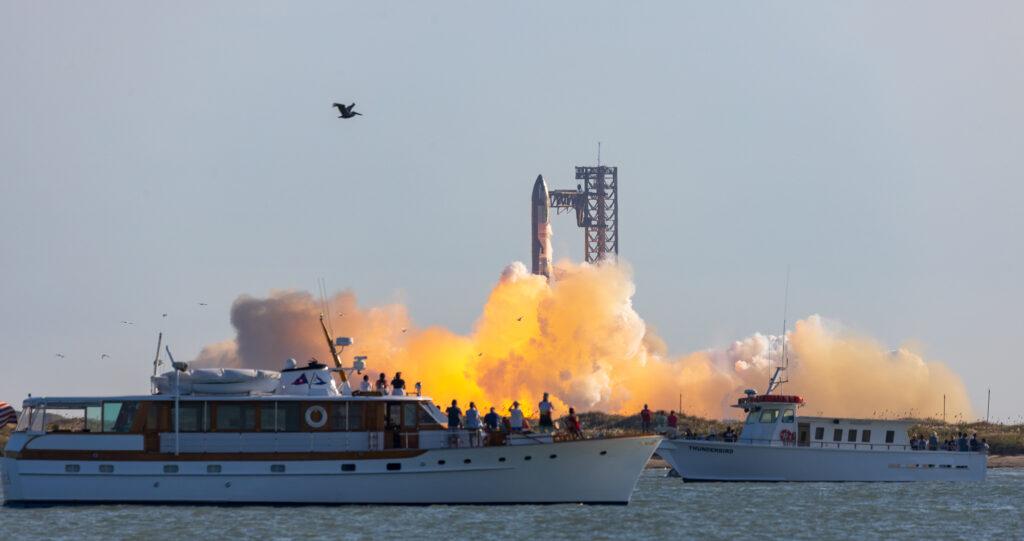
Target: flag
x=7, y=414
x=317, y=380
x=301, y=381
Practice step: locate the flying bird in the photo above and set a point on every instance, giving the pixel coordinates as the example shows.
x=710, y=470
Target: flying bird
x=403, y=330
x=104, y=356
x=520, y=318
x=165, y=315
x=61, y=355
x=123, y=322
x=345, y=111
x=202, y=304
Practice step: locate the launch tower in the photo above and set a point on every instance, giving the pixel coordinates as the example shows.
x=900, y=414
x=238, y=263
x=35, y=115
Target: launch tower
x=596, y=203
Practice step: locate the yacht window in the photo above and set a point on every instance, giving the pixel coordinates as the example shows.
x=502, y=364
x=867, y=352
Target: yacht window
x=268, y=416
x=394, y=415
x=93, y=419
x=752, y=417
x=837, y=435
x=769, y=416
x=61, y=419
x=289, y=417
x=119, y=416
x=787, y=415
x=425, y=418
x=193, y=417
x=24, y=419
x=170, y=468
x=819, y=432
x=409, y=419
x=890, y=436
x=339, y=415
x=236, y=417
x=72, y=468
x=355, y=416
x=851, y=436
x=865, y=436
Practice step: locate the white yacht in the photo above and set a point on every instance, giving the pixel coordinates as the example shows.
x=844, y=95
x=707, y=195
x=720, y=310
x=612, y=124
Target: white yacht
x=776, y=444
x=295, y=437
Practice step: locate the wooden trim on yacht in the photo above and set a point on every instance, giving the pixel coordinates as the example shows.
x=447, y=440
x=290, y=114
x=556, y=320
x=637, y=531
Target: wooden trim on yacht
x=142, y=456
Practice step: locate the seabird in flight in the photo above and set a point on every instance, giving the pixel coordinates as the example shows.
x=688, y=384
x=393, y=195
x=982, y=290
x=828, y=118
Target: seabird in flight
x=345, y=111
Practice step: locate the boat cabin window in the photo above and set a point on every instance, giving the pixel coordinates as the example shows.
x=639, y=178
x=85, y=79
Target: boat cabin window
x=289, y=417
x=393, y=417
x=769, y=415
x=819, y=432
x=236, y=417
x=788, y=415
x=426, y=418
x=865, y=436
x=890, y=435
x=837, y=434
x=409, y=416
x=346, y=416
x=119, y=416
x=61, y=418
x=192, y=417
x=852, y=435
x=752, y=417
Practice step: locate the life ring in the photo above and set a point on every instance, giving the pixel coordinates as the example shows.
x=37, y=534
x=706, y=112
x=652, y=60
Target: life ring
x=309, y=416
x=785, y=435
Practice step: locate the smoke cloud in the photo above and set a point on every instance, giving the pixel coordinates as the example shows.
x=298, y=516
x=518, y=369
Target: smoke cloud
x=579, y=338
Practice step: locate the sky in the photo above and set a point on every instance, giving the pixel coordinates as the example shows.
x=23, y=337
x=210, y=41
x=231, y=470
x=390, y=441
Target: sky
x=157, y=156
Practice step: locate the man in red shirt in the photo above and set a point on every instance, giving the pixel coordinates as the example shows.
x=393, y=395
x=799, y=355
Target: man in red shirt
x=673, y=424
x=645, y=419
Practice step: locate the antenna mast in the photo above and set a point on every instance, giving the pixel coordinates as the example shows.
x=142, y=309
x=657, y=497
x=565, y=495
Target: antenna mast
x=774, y=381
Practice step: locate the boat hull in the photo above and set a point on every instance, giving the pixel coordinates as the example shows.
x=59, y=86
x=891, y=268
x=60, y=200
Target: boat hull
x=696, y=460
x=598, y=471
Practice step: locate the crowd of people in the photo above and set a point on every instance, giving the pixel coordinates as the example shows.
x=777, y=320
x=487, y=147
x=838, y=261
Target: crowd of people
x=956, y=442
x=515, y=422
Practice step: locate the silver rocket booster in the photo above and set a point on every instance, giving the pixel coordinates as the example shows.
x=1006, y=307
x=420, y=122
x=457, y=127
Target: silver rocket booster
x=540, y=238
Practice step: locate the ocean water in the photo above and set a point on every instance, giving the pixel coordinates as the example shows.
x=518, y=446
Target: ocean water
x=662, y=508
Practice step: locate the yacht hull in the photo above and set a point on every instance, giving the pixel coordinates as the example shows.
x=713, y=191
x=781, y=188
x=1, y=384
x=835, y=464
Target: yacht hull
x=596, y=471
x=696, y=460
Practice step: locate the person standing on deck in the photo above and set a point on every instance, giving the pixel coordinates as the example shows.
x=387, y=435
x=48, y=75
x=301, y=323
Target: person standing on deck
x=365, y=386
x=492, y=420
x=545, y=415
x=673, y=425
x=398, y=385
x=515, y=417
x=645, y=419
x=572, y=425
x=382, y=384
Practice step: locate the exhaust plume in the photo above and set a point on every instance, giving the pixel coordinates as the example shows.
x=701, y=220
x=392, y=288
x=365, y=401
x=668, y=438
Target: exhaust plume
x=579, y=338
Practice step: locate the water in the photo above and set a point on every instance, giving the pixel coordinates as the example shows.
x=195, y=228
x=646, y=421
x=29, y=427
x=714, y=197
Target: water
x=662, y=508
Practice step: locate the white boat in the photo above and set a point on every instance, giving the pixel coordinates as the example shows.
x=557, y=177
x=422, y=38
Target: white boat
x=305, y=441
x=776, y=444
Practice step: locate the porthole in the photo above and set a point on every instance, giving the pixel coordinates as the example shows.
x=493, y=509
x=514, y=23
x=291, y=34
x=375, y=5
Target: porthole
x=553, y=456
x=348, y=467
x=502, y=459
x=440, y=463
x=106, y=468
x=467, y=461
x=170, y=468
x=604, y=453
x=213, y=468
x=527, y=457
x=394, y=466
x=72, y=468
x=277, y=468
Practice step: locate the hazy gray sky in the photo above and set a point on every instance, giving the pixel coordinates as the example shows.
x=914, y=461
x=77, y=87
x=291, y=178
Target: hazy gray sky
x=153, y=157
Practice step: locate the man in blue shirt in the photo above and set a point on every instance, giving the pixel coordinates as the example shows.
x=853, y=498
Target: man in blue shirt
x=492, y=420
x=454, y=416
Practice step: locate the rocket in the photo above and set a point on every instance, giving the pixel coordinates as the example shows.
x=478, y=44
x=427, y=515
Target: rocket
x=540, y=237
